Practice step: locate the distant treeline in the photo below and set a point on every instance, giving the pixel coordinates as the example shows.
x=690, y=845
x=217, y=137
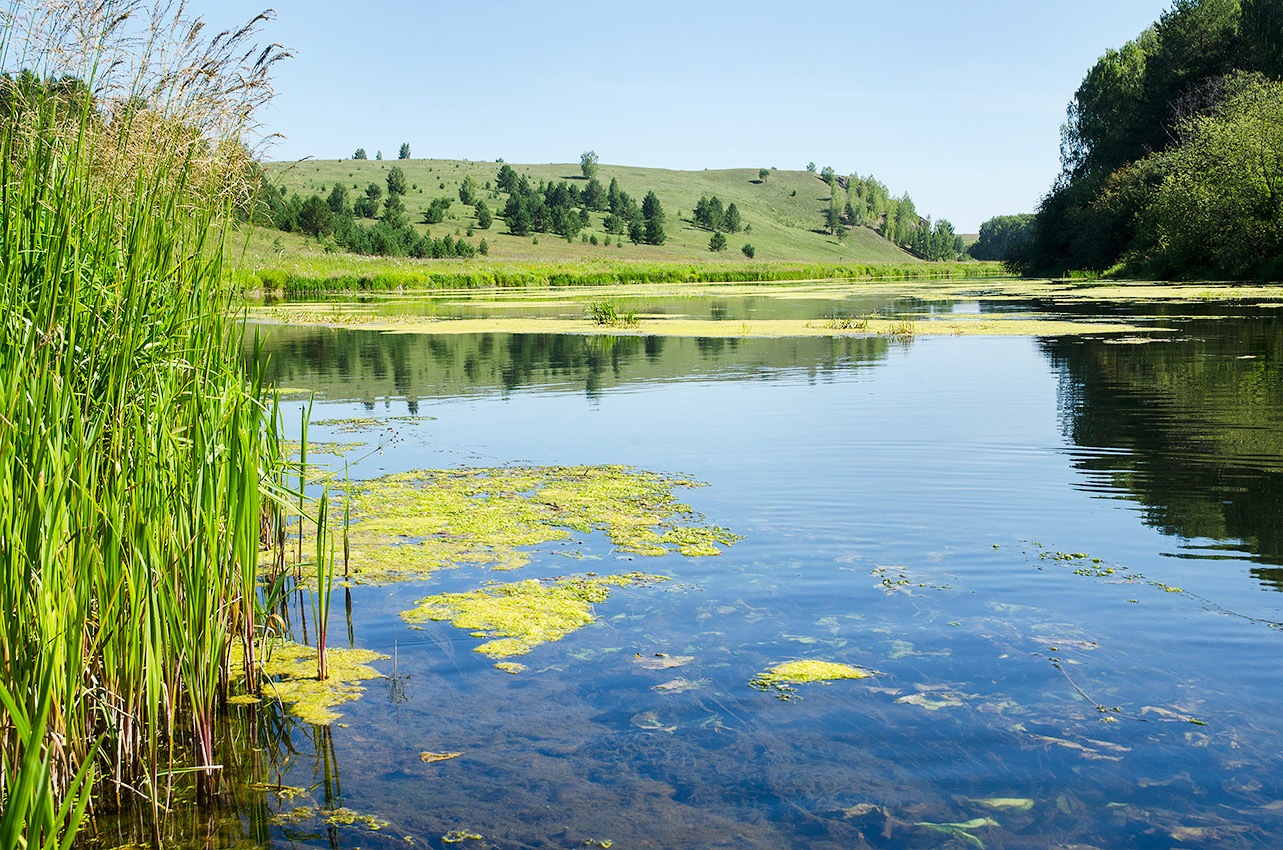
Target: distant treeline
x=540, y=274
x=857, y=201
x=1172, y=155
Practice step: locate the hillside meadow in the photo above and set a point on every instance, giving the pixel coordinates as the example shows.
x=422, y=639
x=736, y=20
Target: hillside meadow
x=784, y=213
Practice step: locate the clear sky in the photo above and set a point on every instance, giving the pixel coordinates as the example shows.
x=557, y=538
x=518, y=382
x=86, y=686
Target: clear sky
x=960, y=104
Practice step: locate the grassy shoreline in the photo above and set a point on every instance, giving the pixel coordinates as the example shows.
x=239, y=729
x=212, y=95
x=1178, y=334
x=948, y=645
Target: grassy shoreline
x=376, y=275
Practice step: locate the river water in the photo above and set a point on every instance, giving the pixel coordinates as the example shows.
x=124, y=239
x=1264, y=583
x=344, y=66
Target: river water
x=1062, y=556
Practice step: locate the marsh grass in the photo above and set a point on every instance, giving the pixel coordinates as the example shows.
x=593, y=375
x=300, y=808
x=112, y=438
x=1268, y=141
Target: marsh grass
x=141, y=465
x=606, y=314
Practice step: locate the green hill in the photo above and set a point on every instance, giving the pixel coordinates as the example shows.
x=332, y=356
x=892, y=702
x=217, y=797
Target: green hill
x=785, y=212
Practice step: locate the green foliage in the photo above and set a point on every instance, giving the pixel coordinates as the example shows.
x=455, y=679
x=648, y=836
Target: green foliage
x=394, y=212
x=717, y=242
x=593, y=196
x=1211, y=204
x=1002, y=236
x=436, y=211
x=1132, y=104
x=653, y=213
x=315, y=217
x=709, y=213
x=507, y=178
x=404, y=152
x=397, y=183
x=749, y=251
x=337, y=200
x=588, y=164
x=484, y=216
x=763, y=173
x=360, y=154
x=810, y=166
x=468, y=191
x=484, y=248
x=732, y=220
x=935, y=244
x=140, y=455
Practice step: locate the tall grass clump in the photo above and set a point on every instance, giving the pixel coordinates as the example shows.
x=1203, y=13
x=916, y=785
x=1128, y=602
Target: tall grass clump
x=138, y=454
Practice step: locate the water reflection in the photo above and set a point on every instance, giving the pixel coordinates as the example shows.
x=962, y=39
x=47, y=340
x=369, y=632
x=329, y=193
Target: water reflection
x=1191, y=427
x=371, y=367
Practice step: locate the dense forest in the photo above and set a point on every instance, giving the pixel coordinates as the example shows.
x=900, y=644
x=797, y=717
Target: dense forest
x=1172, y=155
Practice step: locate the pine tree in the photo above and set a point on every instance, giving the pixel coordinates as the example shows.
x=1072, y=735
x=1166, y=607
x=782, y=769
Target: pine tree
x=653, y=213
x=405, y=151
x=732, y=219
x=717, y=242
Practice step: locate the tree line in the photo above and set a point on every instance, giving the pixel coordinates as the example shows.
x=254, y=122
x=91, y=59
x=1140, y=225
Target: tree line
x=335, y=217
x=562, y=208
x=1172, y=153
x=857, y=201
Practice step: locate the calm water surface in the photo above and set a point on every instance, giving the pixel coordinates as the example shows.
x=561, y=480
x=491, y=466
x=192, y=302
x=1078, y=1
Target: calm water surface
x=906, y=506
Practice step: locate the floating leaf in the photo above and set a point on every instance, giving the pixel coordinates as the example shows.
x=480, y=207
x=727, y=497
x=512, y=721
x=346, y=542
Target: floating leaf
x=649, y=721
x=1015, y=804
x=932, y=702
x=428, y=758
x=959, y=830
x=681, y=685
x=660, y=661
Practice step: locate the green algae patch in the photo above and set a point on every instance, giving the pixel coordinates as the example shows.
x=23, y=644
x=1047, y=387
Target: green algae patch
x=340, y=816
x=782, y=677
x=407, y=526
x=518, y=617
x=290, y=676
x=671, y=325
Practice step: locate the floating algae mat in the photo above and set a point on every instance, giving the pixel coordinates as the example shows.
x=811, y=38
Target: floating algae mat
x=408, y=525
x=782, y=677
x=290, y=676
x=518, y=617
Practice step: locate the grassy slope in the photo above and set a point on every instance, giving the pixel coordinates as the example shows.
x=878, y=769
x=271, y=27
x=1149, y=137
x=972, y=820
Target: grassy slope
x=785, y=212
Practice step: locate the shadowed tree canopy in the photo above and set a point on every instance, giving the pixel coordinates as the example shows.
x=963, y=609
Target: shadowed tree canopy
x=1135, y=104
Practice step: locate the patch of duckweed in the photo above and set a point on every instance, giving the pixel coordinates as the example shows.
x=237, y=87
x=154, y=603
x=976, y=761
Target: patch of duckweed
x=340, y=816
x=408, y=525
x=782, y=677
x=510, y=667
x=364, y=423
x=520, y=616
x=290, y=676
x=455, y=836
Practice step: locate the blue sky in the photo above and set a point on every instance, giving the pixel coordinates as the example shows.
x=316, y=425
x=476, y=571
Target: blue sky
x=958, y=104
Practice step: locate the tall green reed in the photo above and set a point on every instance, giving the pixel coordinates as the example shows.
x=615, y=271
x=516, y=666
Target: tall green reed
x=141, y=466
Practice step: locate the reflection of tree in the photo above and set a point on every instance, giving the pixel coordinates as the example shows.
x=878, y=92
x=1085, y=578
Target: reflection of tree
x=1199, y=423
x=370, y=367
